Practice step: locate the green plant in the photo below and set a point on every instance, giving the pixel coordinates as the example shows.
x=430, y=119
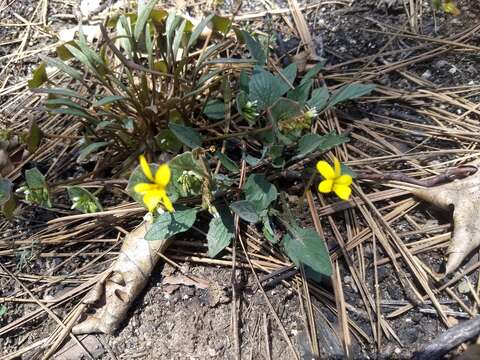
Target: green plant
x=83, y=200
x=156, y=91
x=36, y=189
x=145, y=76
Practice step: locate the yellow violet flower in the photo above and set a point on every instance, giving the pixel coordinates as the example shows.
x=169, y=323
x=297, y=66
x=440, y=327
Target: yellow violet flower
x=334, y=180
x=156, y=191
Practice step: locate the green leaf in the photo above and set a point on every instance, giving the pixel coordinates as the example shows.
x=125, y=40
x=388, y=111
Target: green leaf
x=198, y=30
x=143, y=18
x=244, y=82
x=215, y=109
x=301, y=92
x=227, y=163
x=221, y=24
x=307, y=144
x=268, y=231
x=437, y=4
x=246, y=210
x=83, y=200
x=187, y=135
x=90, y=148
x=5, y=191
x=265, y=88
x=34, y=137
x=286, y=109
x=62, y=51
x=331, y=140
x=259, y=192
x=108, y=100
x=88, y=57
x=124, y=35
x=290, y=73
x=74, y=74
x=220, y=233
x=187, y=175
x=157, y=15
x=276, y=151
x=3, y=310
x=187, y=162
x=349, y=92
x=179, y=32
x=306, y=248
x=312, y=72
x=60, y=91
x=38, y=191
x=8, y=209
x=74, y=112
x=57, y=102
x=255, y=48
x=167, y=141
x=319, y=98
x=39, y=76
x=170, y=26
x=312, y=142
x=34, y=178
x=169, y=224
x=83, y=58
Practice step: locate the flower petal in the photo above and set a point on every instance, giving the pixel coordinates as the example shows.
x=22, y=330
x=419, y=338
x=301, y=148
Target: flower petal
x=152, y=198
x=162, y=176
x=142, y=188
x=342, y=191
x=146, y=168
x=325, y=170
x=325, y=186
x=344, y=180
x=338, y=168
x=166, y=202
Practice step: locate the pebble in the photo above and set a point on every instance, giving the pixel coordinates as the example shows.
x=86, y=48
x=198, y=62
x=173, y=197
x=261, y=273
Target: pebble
x=427, y=74
x=440, y=63
x=453, y=70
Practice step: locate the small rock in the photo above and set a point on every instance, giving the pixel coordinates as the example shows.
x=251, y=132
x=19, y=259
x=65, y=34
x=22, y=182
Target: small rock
x=453, y=70
x=440, y=63
x=427, y=74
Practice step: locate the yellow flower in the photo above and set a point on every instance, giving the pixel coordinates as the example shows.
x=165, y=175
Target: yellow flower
x=155, y=192
x=334, y=180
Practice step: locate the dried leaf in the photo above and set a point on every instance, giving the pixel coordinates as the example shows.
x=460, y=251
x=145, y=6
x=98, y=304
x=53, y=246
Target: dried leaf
x=464, y=196
x=113, y=295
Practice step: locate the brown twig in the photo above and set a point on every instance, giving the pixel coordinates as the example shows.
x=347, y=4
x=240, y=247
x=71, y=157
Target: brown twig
x=450, y=339
x=447, y=176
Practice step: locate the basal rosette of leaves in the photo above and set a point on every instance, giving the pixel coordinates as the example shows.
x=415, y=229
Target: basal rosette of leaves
x=144, y=75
